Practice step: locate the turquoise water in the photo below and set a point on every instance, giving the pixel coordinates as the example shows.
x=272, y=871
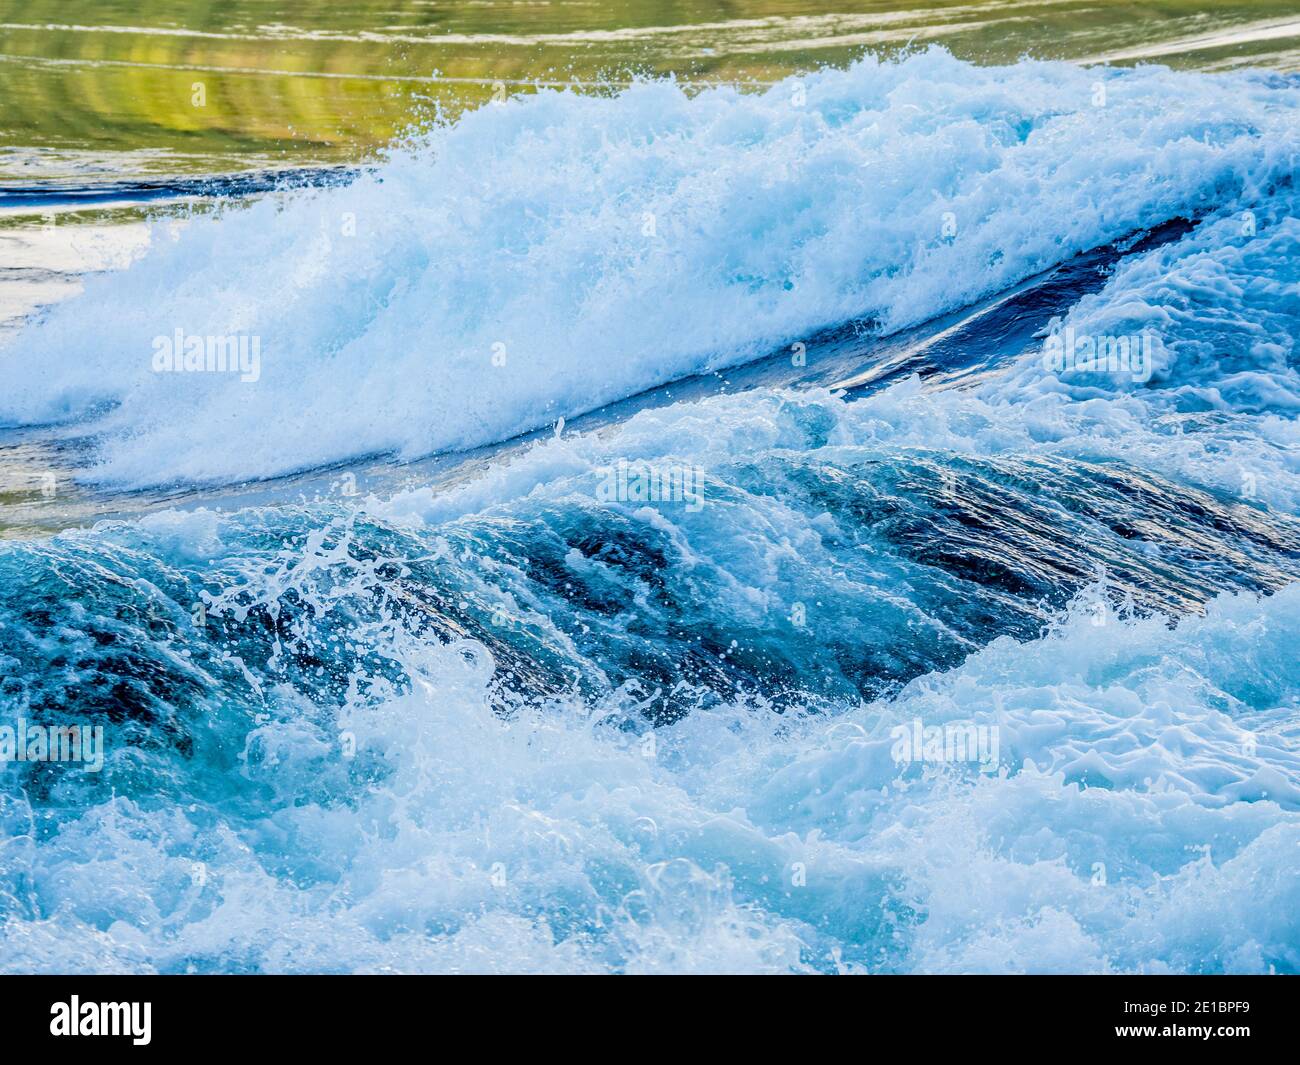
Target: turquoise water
x=620, y=485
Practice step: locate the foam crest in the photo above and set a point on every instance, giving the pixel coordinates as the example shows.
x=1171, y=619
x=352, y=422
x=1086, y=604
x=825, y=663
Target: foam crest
x=547, y=256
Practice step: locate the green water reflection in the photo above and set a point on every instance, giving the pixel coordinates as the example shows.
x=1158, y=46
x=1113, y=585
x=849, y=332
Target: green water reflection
x=208, y=85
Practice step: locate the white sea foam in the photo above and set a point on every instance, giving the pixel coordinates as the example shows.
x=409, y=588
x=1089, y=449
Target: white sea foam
x=1144, y=812
x=544, y=257
x=1145, y=815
